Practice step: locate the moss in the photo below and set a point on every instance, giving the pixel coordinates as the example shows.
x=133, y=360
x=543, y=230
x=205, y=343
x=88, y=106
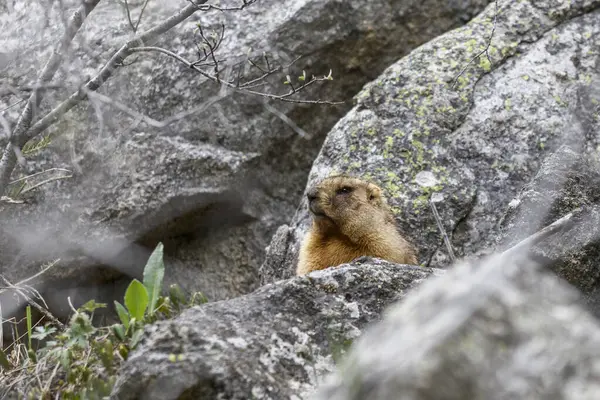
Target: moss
x=560, y=101
x=364, y=94
x=462, y=82
x=398, y=132
x=389, y=144
x=485, y=64
x=393, y=189
x=471, y=45
x=507, y=104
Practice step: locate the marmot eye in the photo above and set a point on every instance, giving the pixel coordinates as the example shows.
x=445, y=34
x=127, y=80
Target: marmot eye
x=344, y=190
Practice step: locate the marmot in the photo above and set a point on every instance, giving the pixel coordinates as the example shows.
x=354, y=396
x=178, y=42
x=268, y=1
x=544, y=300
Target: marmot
x=350, y=218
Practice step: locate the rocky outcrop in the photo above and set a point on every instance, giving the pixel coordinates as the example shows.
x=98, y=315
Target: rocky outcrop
x=275, y=343
x=465, y=121
x=498, y=329
x=213, y=186
x=568, y=181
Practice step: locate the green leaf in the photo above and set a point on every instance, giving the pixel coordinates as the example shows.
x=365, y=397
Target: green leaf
x=119, y=331
x=91, y=305
x=136, y=337
x=136, y=299
x=154, y=272
x=123, y=314
x=41, y=332
x=65, y=358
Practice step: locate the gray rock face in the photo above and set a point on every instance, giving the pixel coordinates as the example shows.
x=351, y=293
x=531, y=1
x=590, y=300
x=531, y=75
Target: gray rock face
x=466, y=131
x=275, y=343
x=499, y=329
x=214, y=185
x=568, y=181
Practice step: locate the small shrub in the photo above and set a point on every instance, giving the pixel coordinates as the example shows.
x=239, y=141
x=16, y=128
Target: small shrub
x=80, y=361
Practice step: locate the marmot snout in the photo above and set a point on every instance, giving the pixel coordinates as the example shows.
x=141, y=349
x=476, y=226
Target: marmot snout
x=350, y=218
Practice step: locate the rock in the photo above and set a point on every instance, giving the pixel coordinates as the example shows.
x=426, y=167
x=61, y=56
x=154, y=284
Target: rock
x=451, y=124
x=567, y=181
x=214, y=185
x=274, y=343
x=497, y=329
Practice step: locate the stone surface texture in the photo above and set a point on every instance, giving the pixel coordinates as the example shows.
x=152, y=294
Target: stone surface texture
x=496, y=329
x=212, y=186
x=464, y=127
x=275, y=343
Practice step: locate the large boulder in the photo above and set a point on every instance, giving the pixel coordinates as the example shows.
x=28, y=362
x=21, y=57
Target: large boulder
x=497, y=329
x=465, y=121
x=568, y=181
x=275, y=343
x=214, y=185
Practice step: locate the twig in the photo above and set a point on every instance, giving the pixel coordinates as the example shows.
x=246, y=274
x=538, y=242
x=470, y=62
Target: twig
x=24, y=281
x=35, y=186
x=39, y=173
x=558, y=225
x=486, y=50
x=206, y=7
x=25, y=132
x=440, y=225
x=71, y=304
x=17, y=288
x=281, y=97
x=128, y=12
x=19, y=136
x=137, y=24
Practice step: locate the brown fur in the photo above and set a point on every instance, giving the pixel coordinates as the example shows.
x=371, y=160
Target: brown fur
x=351, y=218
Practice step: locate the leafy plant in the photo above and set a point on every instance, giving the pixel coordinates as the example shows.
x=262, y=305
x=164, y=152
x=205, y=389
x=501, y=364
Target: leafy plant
x=80, y=361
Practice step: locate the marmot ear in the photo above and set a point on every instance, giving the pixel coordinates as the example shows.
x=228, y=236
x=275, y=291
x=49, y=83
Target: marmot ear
x=373, y=192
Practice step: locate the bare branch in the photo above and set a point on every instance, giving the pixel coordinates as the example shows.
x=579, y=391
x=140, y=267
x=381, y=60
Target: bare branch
x=207, y=7
x=440, y=225
x=9, y=157
x=135, y=26
x=485, y=50
x=21, y=288
x=23, y=189
x=128, y=12
x=281, y=97
x=23, y=132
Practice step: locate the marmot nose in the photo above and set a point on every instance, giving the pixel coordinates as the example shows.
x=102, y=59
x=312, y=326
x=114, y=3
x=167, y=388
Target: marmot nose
x=311, y=195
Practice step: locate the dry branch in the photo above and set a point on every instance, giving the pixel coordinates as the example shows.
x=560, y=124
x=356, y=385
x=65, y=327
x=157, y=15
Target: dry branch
x=24, y=131
x=286, y=97
x=18, y=136
x=440, y=225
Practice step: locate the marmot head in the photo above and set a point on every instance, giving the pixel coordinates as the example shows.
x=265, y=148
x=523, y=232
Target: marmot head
x=342, y=198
